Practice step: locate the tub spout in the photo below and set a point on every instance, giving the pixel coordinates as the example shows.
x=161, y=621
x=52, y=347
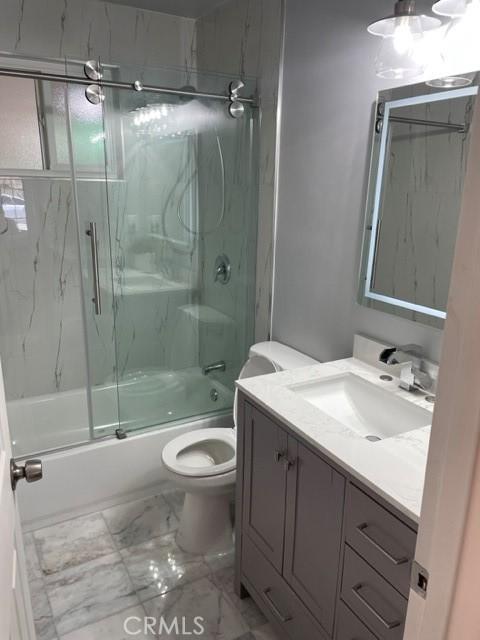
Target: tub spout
x=215, y=366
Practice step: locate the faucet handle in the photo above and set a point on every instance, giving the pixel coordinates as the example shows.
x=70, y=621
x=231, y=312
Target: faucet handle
x=386, y=356
x=414, y=351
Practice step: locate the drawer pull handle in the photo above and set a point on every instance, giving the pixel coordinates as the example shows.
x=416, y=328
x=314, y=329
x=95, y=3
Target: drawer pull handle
x=362, y=530
x=278, y=455
x=386, y=623
x=273, y=606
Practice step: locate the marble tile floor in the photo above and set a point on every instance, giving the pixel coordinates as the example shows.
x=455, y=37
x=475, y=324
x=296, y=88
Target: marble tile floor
x=89, y=574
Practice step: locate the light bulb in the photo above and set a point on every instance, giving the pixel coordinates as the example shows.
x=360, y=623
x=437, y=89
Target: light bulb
x=395, y=64
x=403, y=38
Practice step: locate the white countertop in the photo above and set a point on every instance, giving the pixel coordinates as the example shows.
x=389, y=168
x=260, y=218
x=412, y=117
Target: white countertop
x=394, y=468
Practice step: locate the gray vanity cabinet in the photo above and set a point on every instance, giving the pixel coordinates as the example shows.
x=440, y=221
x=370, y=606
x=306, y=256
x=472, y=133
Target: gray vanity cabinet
x=323, y=556
x=313, y=531
x=292, y=512
x=265, y=484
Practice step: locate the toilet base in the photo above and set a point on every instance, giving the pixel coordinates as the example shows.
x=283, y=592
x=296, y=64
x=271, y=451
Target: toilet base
x=205, y=523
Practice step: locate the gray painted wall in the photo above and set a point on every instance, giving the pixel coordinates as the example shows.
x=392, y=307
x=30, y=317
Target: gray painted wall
x=329, y=87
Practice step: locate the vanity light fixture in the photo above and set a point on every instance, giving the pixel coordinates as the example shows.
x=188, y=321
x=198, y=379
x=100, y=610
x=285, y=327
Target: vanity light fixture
x=452, y=82
x=460, y=48
x=451, y=8
x=402, y=33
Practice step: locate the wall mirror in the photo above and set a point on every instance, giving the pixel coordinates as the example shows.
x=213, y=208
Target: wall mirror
x=418, y=160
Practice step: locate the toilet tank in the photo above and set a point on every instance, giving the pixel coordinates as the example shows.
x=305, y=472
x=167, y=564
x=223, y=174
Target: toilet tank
x=281, y=356
x=270, y=357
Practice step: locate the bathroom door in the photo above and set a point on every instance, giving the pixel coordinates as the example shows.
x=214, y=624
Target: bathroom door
x=16, y=618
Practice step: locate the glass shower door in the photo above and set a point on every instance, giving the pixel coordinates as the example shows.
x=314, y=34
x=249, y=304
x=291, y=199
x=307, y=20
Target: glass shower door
x=87, y=142
x=181, y=198
x=48, y=376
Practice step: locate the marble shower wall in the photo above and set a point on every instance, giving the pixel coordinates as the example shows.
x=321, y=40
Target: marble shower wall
x=228, y=222
x=89, y=29
x=155, y=259
x=243, y=38
x=41, y=323
x=41, y=335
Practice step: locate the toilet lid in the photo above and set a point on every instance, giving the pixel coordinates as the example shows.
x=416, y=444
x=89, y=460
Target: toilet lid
x=254, y=366
x=200, y=453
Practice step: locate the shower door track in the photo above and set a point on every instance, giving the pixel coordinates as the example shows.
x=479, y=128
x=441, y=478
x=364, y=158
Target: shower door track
x=54, y=77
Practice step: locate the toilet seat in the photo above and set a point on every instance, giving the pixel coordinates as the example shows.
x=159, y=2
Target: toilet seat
x=201, y=453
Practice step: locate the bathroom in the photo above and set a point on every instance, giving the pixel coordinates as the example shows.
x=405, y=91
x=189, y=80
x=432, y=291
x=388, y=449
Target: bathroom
x=287, y=264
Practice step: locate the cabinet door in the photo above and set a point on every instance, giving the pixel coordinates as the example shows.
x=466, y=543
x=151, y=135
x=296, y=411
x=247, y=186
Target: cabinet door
x=265, y=484
x=315, y=494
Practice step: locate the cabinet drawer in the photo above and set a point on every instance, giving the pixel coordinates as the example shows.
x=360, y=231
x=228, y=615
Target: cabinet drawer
x=349, y=626
x=372, y=599
x=275, y=597
x=381, y=538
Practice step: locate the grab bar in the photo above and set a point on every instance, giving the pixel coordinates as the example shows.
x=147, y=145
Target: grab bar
x=92, y=234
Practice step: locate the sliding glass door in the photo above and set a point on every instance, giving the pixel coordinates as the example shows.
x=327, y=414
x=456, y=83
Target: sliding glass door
x=46, y=265
x=181, y=195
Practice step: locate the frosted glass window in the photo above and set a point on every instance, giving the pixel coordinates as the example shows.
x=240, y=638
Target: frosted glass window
x=20, y=145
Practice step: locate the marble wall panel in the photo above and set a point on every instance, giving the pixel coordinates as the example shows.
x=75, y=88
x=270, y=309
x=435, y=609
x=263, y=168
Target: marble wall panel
x=244, y=38
x=41, y=337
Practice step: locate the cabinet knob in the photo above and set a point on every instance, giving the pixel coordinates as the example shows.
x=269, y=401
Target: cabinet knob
x=278, y=455
x=288, y=464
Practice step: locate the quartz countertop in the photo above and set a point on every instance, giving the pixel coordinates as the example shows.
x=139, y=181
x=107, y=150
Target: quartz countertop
x=394, y=467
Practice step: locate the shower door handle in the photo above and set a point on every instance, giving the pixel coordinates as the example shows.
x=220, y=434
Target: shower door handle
x=97, y=300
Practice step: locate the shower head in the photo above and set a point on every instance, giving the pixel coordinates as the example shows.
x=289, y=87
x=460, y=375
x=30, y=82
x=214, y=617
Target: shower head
x=182, y=97
x=188, y=88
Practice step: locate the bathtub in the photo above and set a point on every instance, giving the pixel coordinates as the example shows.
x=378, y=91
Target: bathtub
x=104, y=472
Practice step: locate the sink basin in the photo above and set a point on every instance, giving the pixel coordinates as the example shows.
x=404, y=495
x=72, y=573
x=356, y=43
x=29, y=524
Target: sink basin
x=370, y=411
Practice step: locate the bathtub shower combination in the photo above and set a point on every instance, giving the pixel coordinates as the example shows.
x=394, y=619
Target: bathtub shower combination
x=128, y=225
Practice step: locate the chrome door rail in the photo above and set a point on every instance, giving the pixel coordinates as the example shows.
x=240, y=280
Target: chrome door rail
x=54, y=77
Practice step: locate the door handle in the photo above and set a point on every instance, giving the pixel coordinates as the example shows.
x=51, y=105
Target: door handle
x=92, y=234
x=283, y=618
x=31, y=471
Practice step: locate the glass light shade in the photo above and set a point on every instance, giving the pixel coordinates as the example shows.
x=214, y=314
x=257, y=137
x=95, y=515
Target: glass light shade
x=398, y=58
x=388, y=27
x=450, y=8
x=461, y=45
x=452, y=82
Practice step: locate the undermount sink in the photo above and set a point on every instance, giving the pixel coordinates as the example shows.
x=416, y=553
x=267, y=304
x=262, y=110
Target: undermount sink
x=372, y=412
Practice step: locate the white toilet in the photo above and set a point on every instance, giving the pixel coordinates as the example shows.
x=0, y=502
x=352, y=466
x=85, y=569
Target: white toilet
x=203, y=462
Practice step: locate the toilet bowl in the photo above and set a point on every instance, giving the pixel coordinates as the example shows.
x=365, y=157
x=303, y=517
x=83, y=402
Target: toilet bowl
x=203, y=462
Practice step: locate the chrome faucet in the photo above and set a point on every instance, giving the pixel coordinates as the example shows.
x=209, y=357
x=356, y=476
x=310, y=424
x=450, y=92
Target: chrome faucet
x=215, y=366
x=412, y=375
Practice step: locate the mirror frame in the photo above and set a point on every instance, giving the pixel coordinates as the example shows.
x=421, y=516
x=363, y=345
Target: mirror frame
x=386, y=101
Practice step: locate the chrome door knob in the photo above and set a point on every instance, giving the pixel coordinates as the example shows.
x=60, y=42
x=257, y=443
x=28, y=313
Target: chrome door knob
x=31, y=471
